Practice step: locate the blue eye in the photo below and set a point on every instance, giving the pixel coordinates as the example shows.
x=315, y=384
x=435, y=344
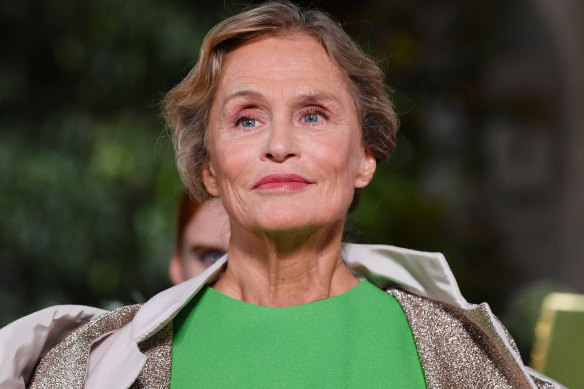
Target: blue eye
x=210, y=256
x=248, y=123
x=311, y=118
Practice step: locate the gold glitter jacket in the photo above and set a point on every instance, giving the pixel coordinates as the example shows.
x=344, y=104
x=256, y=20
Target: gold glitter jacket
x=461, y=345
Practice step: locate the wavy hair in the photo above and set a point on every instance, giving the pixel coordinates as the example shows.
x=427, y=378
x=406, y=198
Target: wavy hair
x=187, y=105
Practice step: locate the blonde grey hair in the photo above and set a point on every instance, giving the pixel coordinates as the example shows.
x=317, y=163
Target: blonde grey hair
x=187, y=106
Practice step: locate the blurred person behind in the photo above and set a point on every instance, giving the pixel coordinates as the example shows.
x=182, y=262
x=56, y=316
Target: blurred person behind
x=202, y=237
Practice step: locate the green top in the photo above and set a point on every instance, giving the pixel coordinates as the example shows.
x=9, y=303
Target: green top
x=359, y=339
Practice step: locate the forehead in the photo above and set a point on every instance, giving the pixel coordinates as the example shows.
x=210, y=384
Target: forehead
x=296, y=61
x=209, y=226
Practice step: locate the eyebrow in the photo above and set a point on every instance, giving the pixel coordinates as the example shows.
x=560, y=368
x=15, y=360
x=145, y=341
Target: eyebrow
x=242, y=93
x=307, y=98
x=316, y=98
x=206, y=247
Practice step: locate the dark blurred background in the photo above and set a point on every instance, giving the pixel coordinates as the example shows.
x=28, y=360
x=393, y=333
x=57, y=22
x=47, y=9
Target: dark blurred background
x=488, y=170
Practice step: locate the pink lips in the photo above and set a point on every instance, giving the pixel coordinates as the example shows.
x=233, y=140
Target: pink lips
x=282, y=182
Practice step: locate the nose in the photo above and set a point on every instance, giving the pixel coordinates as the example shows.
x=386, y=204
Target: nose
x=281, y=144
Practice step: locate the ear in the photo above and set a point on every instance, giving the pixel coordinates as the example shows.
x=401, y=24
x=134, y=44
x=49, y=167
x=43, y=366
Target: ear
x=366, y=170
x=175, y=271
x=210, y=180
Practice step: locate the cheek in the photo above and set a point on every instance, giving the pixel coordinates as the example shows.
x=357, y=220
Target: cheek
x=342, y=155
x=193, y=267
x=230, y=161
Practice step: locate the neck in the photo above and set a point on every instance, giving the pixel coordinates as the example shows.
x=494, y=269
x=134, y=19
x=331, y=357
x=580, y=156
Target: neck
x=285, y=268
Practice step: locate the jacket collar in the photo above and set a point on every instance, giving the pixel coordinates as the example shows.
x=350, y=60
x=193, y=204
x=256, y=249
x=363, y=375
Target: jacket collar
x=423, y=273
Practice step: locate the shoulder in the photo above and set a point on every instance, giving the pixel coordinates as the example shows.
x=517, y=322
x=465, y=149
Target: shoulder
x=25, y=341
x=468, y=344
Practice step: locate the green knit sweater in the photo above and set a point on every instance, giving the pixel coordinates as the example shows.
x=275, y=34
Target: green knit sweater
x=360, y=339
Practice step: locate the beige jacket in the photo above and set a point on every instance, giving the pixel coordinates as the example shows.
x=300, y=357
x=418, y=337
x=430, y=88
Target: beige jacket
x=460, y=344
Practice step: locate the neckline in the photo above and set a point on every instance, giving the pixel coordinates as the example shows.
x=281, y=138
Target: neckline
x=215, y=294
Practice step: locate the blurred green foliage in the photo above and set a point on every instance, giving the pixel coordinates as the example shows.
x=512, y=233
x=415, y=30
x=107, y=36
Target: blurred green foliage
x=88, y=187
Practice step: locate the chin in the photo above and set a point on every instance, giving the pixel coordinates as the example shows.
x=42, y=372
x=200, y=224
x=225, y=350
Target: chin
x=290, y=220
x=284, y=223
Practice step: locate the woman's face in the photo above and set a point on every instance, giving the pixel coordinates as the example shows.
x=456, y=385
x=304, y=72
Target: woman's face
x=284, y=140
x=205, y=238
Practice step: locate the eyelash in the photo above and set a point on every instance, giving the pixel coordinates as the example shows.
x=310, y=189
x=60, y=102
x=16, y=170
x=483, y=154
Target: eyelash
x=241, y=118
x=314, y=110
x=303, y=113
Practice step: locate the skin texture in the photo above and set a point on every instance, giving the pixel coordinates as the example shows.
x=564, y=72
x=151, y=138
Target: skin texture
x=208, y=230
x=282, y=107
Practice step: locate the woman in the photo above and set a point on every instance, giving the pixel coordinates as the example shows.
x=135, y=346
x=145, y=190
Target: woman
x=202, y=237
x=284, y=119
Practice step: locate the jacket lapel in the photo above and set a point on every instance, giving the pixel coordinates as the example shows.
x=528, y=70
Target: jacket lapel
x=123, y=360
